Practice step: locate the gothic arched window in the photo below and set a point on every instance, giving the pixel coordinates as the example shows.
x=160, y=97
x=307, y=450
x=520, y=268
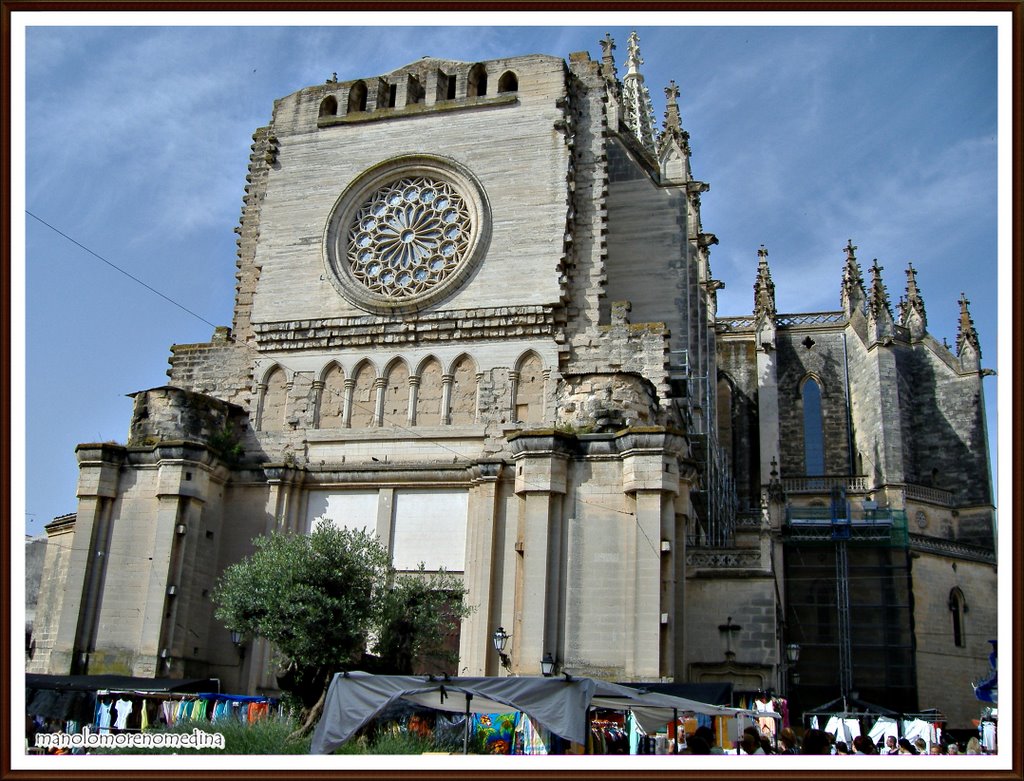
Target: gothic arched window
x=329, y=106
x=508, y=82
x=476, y=84
x=814, y=433
x=357, y=97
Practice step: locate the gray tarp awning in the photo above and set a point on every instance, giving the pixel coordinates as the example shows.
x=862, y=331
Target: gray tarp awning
x=557, y=704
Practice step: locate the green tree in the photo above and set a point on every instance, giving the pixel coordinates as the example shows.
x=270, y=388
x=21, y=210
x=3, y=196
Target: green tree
x=326, y=598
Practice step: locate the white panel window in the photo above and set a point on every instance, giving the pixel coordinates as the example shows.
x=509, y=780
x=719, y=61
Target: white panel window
x=430, y=527
x=349, y=510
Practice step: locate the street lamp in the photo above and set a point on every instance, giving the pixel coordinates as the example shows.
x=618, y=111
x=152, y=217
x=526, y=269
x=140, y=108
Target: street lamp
x=500, y=640
x=237, y=640
x=792, y=657
x=547, y=665
x=793, y=653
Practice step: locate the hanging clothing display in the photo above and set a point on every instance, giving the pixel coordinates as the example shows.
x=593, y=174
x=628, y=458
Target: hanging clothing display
x=103, y=716
x=123, y=708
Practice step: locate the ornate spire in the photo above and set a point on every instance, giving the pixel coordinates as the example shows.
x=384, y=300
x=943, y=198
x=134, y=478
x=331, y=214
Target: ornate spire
x=912, y=315
x=880, y=320
x=638, y=113
x=674, y=142
x=968, y=348
x=764, y=288
x=851, y=294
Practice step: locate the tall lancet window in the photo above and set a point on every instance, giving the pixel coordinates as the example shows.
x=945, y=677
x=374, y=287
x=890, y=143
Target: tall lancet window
x=814, y=434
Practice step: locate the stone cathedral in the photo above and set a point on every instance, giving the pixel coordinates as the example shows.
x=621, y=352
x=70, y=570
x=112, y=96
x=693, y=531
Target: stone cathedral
x=475, y=313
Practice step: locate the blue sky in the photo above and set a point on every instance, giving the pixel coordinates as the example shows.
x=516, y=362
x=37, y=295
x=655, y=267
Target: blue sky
x=137, y=146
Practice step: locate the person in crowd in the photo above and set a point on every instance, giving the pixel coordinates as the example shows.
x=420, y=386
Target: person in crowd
x=920, y=745
x=891, y=746
x=750, y=744
x=906, y=747
x=787, y=739
x=973, y=746
x=863, y=745
x=842, y=748
x=816, y=741
x=952, y=748
x=695, y=744
x=708, y=737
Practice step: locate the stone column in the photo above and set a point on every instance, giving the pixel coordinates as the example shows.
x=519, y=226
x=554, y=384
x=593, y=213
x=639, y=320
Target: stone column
x=414, y=390
x=346, y=410
x=446, y=398
x=513, y=380
x=476, y=397
x=261, y=397
x=318, y=395
x=380, y=385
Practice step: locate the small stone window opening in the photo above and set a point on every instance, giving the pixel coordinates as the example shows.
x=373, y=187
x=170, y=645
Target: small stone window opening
x=445, y=87
x=476, y=83
x=508, y=82
x=392, y=95
x=414, y=92
x=957, y=608
x=329, y=106
x=357, y=97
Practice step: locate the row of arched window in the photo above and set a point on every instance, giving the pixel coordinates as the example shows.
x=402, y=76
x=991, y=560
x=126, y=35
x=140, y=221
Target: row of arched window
x=429, y=395
x=415, y=90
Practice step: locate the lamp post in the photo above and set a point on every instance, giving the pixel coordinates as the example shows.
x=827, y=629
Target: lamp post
x=500, y=640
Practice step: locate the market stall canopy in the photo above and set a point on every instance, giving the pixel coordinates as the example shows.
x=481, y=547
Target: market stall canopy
x=557, y=704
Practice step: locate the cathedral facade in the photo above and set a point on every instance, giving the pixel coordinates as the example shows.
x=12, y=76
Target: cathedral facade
x=475, y=313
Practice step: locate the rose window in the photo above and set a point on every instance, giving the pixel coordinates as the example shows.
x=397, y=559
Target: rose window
x=409, y=236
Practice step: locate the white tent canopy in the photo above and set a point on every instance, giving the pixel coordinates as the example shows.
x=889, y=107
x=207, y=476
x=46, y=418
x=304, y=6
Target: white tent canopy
x=558, y=704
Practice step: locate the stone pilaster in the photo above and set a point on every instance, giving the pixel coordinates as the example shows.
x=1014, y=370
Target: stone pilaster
x=476, y=655
x=541, y=468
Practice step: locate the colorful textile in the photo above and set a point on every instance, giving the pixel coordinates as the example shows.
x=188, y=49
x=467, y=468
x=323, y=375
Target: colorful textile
x=497, y=730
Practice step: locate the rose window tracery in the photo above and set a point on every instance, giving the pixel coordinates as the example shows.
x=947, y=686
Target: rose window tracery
x=409, y=236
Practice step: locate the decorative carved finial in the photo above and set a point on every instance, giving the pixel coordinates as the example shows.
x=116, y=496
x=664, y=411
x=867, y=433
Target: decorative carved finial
x=967, y=337
x=852, y=294
x=880, y=320
x=672, y=118
x=912, y=314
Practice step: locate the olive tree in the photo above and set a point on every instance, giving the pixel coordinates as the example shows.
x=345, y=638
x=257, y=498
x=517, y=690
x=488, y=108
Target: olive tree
x=325, y=599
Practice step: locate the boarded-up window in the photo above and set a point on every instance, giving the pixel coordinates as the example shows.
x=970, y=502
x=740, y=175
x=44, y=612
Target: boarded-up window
x=430, y=527
x=396, y=399
x=332, y=398
x=464, y=392
x=275, y=402
x=349, y=510
x=364, y=398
